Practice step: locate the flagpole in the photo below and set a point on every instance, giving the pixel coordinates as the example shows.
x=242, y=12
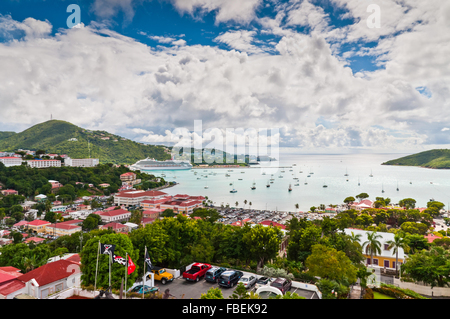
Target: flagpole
x=126, y=273
x=145, y=270
x=96, y=268
x=110, y=258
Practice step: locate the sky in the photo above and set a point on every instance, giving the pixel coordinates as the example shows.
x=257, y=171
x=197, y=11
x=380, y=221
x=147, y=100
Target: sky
x=322, y=74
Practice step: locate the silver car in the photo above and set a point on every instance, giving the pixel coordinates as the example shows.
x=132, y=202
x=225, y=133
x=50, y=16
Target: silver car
x=248, y=280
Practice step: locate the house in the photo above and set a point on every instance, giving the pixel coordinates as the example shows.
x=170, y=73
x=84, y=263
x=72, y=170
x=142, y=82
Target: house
x=27, y=205
x=44, y=281
x=152, y=213
x=272, y=223
x=364, y=204
x=117, y=227
x=145, y=221
x=36, y=240
x=387, y=257
x=118, y=215
x=131, y=226
x=4, y=233
x=62, y=229
x=128, y=177
x=58, y=209
x=38, y=226
x=40, y=198
x=104, y=185
x=81, y=162
x=20, y=225
x=69, y=257
x=7, y=192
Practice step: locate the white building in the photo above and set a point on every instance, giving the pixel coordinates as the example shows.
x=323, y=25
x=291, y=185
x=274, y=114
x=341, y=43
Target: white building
x=44, y=163
x=11, y=161
x=84, y=162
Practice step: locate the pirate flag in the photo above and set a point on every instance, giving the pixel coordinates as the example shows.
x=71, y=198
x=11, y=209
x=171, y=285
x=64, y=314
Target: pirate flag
x=148, y=262
x=106, y=249
x=119, y=260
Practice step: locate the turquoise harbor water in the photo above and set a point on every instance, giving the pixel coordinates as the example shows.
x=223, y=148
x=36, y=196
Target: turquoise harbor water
x=327, y=169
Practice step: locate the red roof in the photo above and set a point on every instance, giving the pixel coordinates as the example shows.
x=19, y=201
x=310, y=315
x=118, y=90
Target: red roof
x=75, y=259
x=50, y=272
x=64, y=226
x=11, y=287
x=431, y=237
x=113, y=225
x=128, y=174
x=10, y=269
x=5, y=277
x=147, y=220
x=136, y=194
x=181, y=196
x=38, y=222
x=275, y=224
x=71, y=222
x=115, y=212
x=35, y=239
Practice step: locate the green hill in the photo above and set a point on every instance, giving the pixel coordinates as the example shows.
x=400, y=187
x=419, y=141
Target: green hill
x=53, y=137
x=439, y=159
x=4, y=135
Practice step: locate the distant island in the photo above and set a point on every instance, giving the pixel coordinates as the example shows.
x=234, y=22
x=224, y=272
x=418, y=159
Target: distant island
x=437, y=159
x=60, y=137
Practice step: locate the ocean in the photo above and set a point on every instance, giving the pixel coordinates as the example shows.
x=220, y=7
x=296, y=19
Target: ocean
x=413, y=182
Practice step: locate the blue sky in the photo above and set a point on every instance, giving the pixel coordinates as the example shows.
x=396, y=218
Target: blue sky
x=313, y=69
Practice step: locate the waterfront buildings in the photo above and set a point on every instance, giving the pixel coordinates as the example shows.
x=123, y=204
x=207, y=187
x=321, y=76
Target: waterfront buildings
x=11, y=161
x=44, y=163
x=83, y=162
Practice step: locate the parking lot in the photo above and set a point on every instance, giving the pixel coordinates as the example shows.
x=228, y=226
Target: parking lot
x=180, y=288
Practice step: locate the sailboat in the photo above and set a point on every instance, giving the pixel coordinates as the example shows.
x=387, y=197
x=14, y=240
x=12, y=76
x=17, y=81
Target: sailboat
x=382, y=188
x=268, y=184
x=397, y=187
x=359, y=184
x=371, y=175
x=290, y=188
x=325, y=185
x=306, y=183
x=254, y=185
x=346, y=173
x=206, y=187
x=233, y=190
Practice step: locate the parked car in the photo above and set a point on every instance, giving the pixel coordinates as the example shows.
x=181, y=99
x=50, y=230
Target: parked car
x=214, y=273
x=282, y=284
x=146, y=289
x=161, y=274
x=248, y=280
x=263, y=281
x=196, y=272
x=230, y=278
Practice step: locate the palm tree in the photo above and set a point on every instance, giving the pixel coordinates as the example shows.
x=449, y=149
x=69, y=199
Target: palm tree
x=245, y=203
x=398, y=242
x=296, y=207
x=237, y=204
x=373, y=245
x=250, y=204
x=355, y=237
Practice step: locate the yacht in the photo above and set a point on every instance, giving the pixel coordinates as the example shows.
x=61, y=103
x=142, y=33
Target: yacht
x=227, y=175
x=268, y=184
x=233, y=190
x=254, y=185
x=371, y=175
x=290, y=188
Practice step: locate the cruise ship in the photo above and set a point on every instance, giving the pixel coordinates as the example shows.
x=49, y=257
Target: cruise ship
x=152, y=165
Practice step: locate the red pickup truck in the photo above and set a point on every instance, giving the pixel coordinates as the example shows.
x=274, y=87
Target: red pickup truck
x=197, y=270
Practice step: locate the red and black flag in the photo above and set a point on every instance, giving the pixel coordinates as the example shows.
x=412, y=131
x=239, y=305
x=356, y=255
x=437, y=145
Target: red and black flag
x=106, y=249
x=119, y=260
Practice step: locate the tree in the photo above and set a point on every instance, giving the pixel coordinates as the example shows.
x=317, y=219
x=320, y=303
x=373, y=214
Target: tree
x=90, y=223
x=414, y=228
x=288, y=295
x=373, y=246
x=327, y=262
x=89, y=259
x=313, y=209
x=263, y=242
x=240, y=292
x=398, y=242
x=296, y=207
x=435, y=204
x=168, y=213
x=213, y=293
x=362, y=196
x=245, y=203
x=355, y=237
x=17, y=237
x=349, y=200
x=416, y=243
x=431, y=267
x=408, y=203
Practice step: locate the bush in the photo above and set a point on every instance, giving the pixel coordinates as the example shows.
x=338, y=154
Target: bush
x=275, y=272
x=404, y=293
x=368, y=294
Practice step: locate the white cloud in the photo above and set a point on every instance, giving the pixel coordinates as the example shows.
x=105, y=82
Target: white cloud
x=240, y=40
x=162, y=39
x=445, y=129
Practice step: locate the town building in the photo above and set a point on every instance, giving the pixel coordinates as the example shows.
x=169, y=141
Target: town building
x=118, y=216
x=387, y=257
x=10, y=161
x=128, y=177
x=38, y=226
x=44, y=163
x=134, y=198
x=40, y=198
x=62, y=229
x=81, y=162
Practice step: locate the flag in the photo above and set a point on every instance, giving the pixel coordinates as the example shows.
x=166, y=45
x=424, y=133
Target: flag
x=131, y=266
x=119, y=260
x=106, y=249
x=148, y=261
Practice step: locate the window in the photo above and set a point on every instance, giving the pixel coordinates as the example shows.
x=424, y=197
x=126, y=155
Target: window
x=375, y=261
x=59, y=287
x=44, y=293
x=386, y=247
